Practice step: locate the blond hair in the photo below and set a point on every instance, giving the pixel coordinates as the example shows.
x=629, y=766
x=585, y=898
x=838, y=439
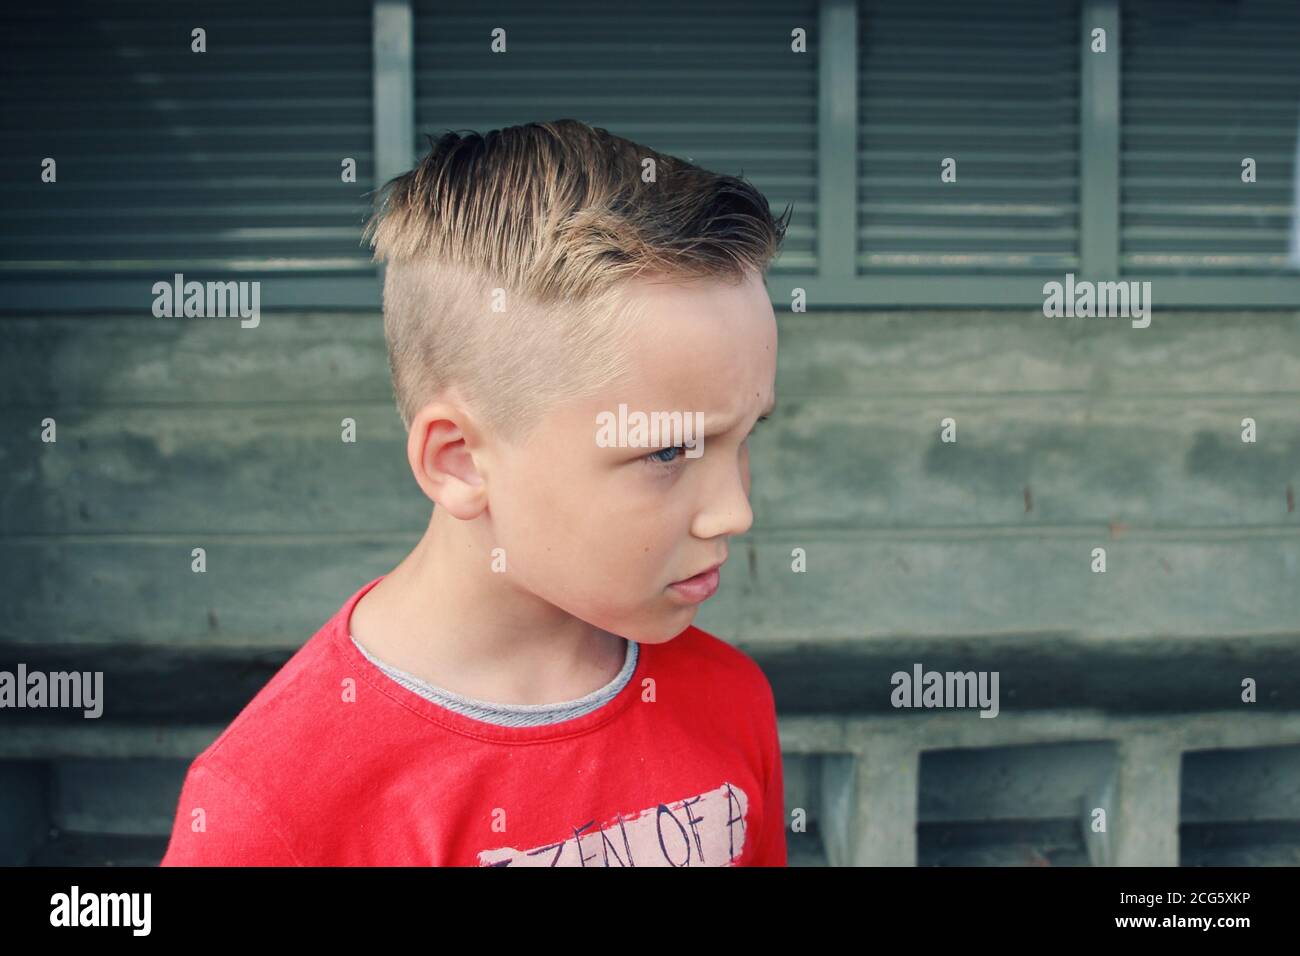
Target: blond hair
x=550, y=220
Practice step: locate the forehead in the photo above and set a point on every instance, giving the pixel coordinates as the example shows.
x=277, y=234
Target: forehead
x=705, y=346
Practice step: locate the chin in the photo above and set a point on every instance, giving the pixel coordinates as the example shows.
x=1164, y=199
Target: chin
x=650, y=634
x=672, y=628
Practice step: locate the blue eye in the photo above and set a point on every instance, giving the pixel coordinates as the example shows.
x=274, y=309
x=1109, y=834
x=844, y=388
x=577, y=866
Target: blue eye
x=657, y=459
x=654, y=456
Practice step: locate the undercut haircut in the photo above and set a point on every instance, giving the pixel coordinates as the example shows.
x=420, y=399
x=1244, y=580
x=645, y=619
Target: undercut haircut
x=508, y=256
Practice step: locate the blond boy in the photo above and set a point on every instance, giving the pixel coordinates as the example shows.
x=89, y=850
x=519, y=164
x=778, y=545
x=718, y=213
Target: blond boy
x=526, y=688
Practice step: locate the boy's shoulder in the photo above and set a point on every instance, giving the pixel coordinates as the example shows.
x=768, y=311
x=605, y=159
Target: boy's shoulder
x=728, y=670
x=722, y=674
x=289, y=705
x=293, y=707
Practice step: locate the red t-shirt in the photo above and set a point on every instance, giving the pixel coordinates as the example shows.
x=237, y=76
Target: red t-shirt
x=334, y=763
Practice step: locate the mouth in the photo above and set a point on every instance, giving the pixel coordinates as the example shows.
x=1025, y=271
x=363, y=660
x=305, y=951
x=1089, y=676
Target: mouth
x=701, y=586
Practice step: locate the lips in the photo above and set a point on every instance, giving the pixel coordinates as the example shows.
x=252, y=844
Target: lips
x=699, y=575
x=699, y=587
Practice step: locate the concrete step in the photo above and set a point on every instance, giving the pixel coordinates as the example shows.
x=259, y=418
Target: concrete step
x=940, y=789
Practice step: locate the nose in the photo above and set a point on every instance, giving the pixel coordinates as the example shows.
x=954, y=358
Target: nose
x=726, y=510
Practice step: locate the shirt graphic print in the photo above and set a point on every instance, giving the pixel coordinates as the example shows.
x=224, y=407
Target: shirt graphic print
x=704, y=830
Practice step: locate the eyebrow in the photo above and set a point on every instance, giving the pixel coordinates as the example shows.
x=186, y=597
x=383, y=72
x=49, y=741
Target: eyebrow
x=771, y=407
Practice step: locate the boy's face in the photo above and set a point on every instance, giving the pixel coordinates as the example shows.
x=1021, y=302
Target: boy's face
x=603, y=532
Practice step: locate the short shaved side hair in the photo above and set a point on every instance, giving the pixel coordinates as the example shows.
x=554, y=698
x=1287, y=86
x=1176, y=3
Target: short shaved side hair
x=508, y=256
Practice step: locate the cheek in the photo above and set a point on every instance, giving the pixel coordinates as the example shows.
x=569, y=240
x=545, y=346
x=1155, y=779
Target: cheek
x=585, y=531
x=618, y=555
x=529, y=516
x=563, y=518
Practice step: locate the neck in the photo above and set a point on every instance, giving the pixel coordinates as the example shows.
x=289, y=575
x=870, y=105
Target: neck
x=446, y=617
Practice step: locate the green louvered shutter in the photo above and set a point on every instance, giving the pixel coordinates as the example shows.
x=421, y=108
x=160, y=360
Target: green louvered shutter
x=716, y=85
x=171, y=159
x=993, y=86
x=1205, y=85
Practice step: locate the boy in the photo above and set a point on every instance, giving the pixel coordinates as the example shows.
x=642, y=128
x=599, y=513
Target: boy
x=526, y=688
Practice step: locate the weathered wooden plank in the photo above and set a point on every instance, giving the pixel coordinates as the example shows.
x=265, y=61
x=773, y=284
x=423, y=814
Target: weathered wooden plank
x=885, y=353
x=257, y=591
x=943, y=582
x=831, y=462
x=275, y=592
x=114, y=360
x=1052, y=459
x=105, y=360
x=211, y=469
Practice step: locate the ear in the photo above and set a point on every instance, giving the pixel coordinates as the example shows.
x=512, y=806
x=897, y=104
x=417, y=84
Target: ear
x=440, y=448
